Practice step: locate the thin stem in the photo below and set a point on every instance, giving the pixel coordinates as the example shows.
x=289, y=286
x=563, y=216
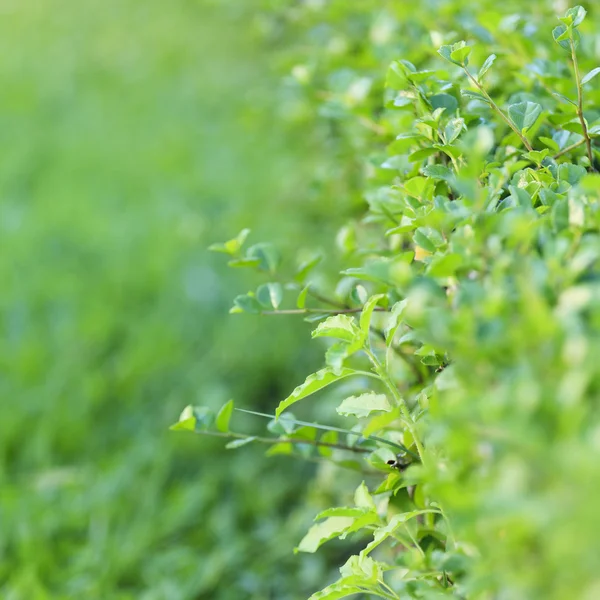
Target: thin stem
x=569, y=148
x=586, y=136
x=265, y=440
x=498, y=110
x=326, y=300
x=306, y=311
x=408, y=418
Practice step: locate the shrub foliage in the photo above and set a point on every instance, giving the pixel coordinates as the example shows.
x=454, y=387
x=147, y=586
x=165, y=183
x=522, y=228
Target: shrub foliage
x=463, y=332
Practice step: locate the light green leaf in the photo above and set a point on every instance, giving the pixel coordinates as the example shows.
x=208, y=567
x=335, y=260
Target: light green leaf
x=306, y=267
x=489, y=61
x=187, y=420
x=438, y=172
x=246, y=303
x=362, y=497
x=270, y=295
x=338, y=590
x=550, y=143
x=320, y=533
x=267, y=254
x=364, y=405
x=364, y=568
x=395, y=320
x=343, y=511
x=590, y=75
x=453, y=129
x=224, y=416
x=524, y=114
x=314, y=383
x=342, y=327
x=301, y=300
x=574, y=16
x=232, y=246
x=445, y=266
x=459, y=53
x=239, y=443
x=367, y=313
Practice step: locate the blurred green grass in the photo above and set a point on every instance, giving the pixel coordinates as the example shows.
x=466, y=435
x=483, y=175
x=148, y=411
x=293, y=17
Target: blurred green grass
x=132, y=136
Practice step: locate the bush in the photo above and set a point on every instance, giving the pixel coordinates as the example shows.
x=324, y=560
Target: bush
x=463, y=331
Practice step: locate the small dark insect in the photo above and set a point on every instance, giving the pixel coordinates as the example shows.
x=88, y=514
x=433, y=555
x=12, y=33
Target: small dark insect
x=401, y=462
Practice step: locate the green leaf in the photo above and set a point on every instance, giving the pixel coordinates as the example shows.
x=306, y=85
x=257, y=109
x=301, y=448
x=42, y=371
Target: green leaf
x=438, y=172
x=239, y=443
x=367, y=313
x=314, y=383
x=246, y=303
x=301, y=300
x=550, y=143
x=395, y=320
x=306, y=267
x=457, y=53
x=421, y=239
x=232, y=246
x=270, y=295
x=574, y=16
x=474, y=96
x=445, y=266
x=338, y=590
x=453, y=129
x=419, y=187
x=364, y=405
x=342, y=327
x=445, y=101
x=285, y=425
x=524, y=114
x=562, y=36
x=224, y=416
x=320, y=533
x=362, y=497
x=344, y=511
x=590, y=75
x=489, y=61
x=267, y=254
x=537, y=156
x=187, y=420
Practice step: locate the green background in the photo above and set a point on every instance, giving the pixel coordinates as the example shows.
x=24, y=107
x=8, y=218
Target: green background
x=133, y=135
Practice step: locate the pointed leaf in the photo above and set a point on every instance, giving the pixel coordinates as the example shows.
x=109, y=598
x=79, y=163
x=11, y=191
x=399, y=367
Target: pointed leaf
x=590, y=75
x=485, y=67
x=362, y=497
x=270, y=295
x=320, y=533
x=314, y=383
x=342, y=327
x=187, y=420
x=524, y=114
x=364, y=405
x=224, y=416
x=239, y=443
x=367, y=313
x=301, y=300
x=267, y=254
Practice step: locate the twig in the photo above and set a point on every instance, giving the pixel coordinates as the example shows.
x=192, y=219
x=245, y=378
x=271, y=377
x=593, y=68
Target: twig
x=569, y=148
x=265, y=440
x=586, y=136
x=498, y=110
x=305, y=311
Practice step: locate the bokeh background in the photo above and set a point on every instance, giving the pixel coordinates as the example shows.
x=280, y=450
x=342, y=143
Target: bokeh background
x=133, y=135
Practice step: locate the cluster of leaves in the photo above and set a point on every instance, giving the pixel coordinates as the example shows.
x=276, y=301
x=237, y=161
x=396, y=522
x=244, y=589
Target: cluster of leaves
x=465, y=328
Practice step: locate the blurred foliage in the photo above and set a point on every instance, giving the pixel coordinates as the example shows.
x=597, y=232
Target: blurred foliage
x=133, y=136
